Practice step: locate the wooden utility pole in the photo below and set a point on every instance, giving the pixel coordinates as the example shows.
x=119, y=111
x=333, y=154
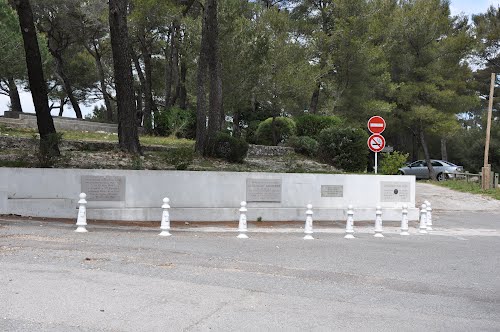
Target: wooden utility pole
x=487, y=167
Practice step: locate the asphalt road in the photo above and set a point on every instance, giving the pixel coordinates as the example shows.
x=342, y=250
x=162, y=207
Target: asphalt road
x=118, y=278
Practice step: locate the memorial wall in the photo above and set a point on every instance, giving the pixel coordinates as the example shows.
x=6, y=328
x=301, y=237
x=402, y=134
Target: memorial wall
x=202, y=196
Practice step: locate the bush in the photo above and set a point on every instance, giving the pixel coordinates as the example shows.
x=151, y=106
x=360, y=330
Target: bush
x=230, y=148
x=391, y=162
x=175, y=122
x=311, y=125
x=344, y=148
x=179, y=157
x=285, y=128
x=304, y=145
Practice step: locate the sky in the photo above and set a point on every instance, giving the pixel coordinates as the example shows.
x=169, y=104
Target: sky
x=466, y=7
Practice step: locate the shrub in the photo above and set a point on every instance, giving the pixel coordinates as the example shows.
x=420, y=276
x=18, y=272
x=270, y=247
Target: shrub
x=344, y=148
x=230, y=148
x=304, y=145
x=179, y=157
x=175, y=122
x=391, y=162
x=285, y=128
x=311, y=124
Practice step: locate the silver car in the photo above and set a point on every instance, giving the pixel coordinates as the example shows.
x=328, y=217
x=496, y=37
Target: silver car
x=444, y=169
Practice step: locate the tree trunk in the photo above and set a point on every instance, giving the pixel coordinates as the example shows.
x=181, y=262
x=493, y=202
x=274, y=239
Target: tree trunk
x=432, y=173
x=273, y=131
x=172, y=71
x=182, y=86
x=140, y=89
x=201, y=95
x=128, y=137
x=444, y=150
x=15, y=101
x=215, y=114
x=36, y=79
x=148, y=93
x=102, y=81
x=62, y=102
x=313, y=107
x=66, y=83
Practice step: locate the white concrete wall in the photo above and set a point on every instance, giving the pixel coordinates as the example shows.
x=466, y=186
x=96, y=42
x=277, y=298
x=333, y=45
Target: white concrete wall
x=202, y=196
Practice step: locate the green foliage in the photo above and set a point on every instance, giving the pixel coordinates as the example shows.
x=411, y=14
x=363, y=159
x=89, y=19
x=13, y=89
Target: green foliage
x=98, y=114
x=311, y=124
x=180, y=157
x=391, y=162
x=136, y=163
x=344, y=147
x=230, y=148
x=175, y=122
x=470, y=187
x=304, y=145
x=284, y=129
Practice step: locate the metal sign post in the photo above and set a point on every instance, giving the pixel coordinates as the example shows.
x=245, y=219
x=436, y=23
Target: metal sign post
x=376, y=142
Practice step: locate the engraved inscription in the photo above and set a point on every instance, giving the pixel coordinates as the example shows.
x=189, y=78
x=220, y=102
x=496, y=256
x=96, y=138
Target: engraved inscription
x=392, y=191
x=103, y=188
x=332, y=191
x=264, y=190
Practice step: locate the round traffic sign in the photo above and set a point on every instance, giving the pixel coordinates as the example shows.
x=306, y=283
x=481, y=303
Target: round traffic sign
x=376, y=142
x=376, y=124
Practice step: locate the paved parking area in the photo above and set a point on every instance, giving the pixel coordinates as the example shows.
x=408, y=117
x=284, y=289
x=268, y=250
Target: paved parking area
x=119, y=278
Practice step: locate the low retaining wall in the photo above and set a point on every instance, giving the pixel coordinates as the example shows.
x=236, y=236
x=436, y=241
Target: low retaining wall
x=202, y=196
x=28, y=120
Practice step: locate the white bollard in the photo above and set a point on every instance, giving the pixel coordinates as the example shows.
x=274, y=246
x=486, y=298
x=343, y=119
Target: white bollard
x=165, y=218
x=308, y=228
x=349, y=225
x=81, y=221
x=429, y=216
x=423, y=219
x=378, y=223
x=404, y=220
x=242, y=225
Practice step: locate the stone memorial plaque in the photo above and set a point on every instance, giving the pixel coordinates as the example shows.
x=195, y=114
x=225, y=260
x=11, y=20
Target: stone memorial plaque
x=103, y=188
x=392, y=191
x=332, y=191
x=264, y=190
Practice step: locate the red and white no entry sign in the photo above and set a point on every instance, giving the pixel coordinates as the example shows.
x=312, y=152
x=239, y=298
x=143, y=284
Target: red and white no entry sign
x=376, y=124
x=376, y=142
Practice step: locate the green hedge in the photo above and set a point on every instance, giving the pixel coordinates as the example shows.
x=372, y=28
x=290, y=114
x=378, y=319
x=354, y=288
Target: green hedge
x=311, y=124
x=230, y=148
x=285, y=128
x=344, y=148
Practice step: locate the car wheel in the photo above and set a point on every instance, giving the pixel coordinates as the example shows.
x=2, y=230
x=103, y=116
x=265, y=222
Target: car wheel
x=401, y=173
x=441, y=177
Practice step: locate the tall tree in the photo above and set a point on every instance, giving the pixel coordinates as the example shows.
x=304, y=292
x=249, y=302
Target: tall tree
x=36, y=79
x=12, y=61
x=127, y=128
x=209, y=76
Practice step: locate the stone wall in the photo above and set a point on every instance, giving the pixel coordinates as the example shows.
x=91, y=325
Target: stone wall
x=202, y=196
x=28, y=120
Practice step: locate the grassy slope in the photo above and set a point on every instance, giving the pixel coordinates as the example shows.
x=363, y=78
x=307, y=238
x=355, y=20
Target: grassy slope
x=470, y=187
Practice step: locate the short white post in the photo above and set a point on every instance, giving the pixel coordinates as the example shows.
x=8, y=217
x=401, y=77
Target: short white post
x=378, y=222
x=349, y=225
x=165, y=218
x=308, y=228
x=81, y=221
x=423, y=219
x=242, y=225
x=429, y=216
x=404, y=221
